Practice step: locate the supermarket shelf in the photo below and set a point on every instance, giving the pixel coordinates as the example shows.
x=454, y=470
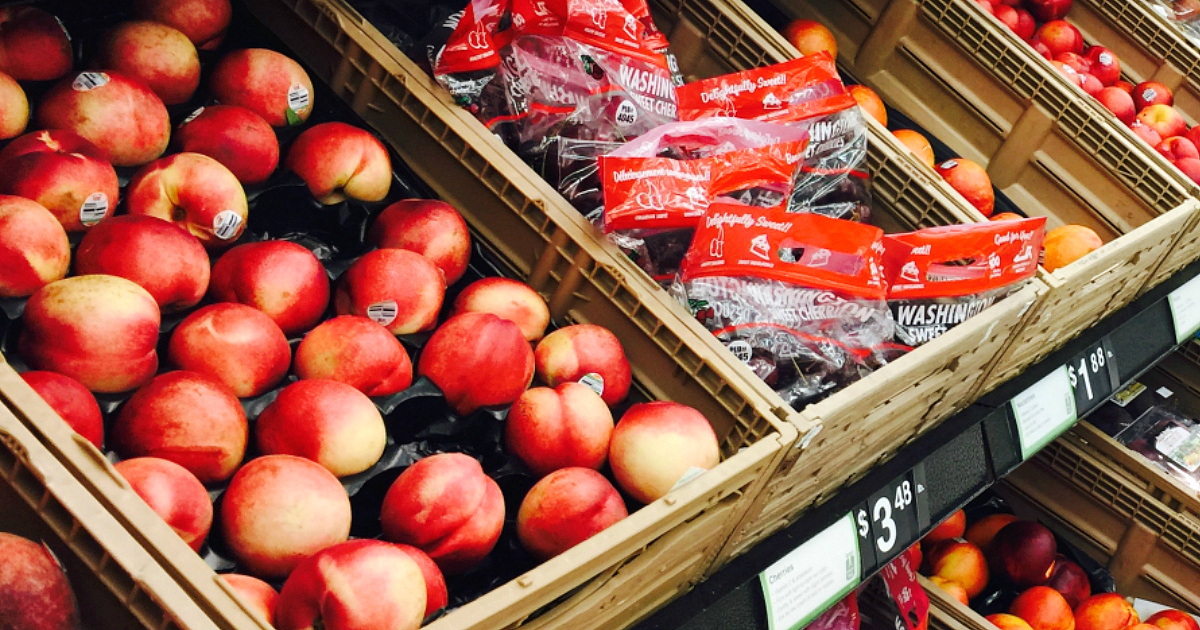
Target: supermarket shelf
x=957, y=460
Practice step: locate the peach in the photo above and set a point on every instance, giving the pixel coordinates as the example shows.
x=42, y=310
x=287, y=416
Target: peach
x=951, y=588
x=1164, y=119
x=1059, y=36
x=1125, y=86
x=971, y=181
x=329, y=422
x=809, y=37
x=916, y=143
x=987, y=6
x=1119, y=102
x=267, y=83
x=1023, y=553
x=258, y=596
x=71, y=401
x=959, y=562
x=1192, y=134
x=1177, y=148
x=100, y=330
x=400, y=290
x=64, y=172
x=1070, y=579
x=158, y=255
x=1149, y=93
x=204, y=22
x=1005, y=621
x=477, y=360
x=656, y=444
x=34, y=45
x=447, y=507
x=1067, y=243
x=356, y=351
x=1147, y=134
x=565, y=508
x=339, y=162
x=1189, y=167
x=1043, y=608
x=1007, y=16
x=952, y=527
x=1105, y=65
x=154, y=53
x=34, y=591
x=280, y=278
x=1046, y=10
x=436, y=596
x=196, y=192
x=586, y=353
x=1041, y=49
x=557, y=428
x=187, y=418
x=354, y=585
x=1006, y=216
x=1067, y=71
x=234, y=344
x=507, y=299
x=173, y=493
x=234, y=136
x=1026, y=25
x=14, y=108
x=431, y=228
x=1078, y=62
x=1171, y=619
x=981, y=532
x=118, y=114
x=34, y=250
x=279, y=510
x=1105, y=611
x=870, y=102
x=1090, y=84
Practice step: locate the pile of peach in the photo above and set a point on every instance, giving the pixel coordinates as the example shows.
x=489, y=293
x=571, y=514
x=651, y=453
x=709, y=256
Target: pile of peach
x=1053, y=593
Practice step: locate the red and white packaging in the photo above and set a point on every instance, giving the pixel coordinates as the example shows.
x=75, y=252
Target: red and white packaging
x=938, y=277
x=841, y=616
x=908, y=604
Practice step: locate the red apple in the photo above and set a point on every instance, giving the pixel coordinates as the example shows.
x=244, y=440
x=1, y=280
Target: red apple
x=267, y=83
x=234, y=136
x=1193, y=134
x=431, y=228
x=960, y=562
x=14, y=108
x=447, y=507
x=1164, y=119
x=203, y=21
x=1149, y=93
x=1090, y=84
x=1007, y=16
x=586, y=353
x=1146, y=133
x=118, y=114
x=174, y=494
x=398, y=289
x=356, y=351
x=279, y=510
x=279, y=278
x=1105, y=611
x=987, y=6
x=1067, y=71
x=1026, y=26
x=1071, y=580
x=185, y=417
x=34, y=45
x=100, y=330
x=656, y=444
x=34, y=591
x=329, y=422
x=196, y=192
x=436, y=597
x=568, y=426
x=507, y=299
x=1105, y=64
x=64, y=172
x=1124, y=85
x=477, y=360
x=565, y=508
x=1046, y=10
x=1023, y=553
x=1043, y=608
x=1119, y=102
x=71, y=401
x=1059, y=36
x=1173, y=620
x=34, y=250
x=1040, y=48
x=339, y=161
x=1178, y=147
x=1078, y=62
x=162, y=258
x=156, y=54
x=360, y=584
x=1190, y=167
x=255, y=593
x=234, y=344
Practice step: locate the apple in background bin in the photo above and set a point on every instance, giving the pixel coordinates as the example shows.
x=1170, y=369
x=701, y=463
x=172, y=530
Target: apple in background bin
x=234, y=344
x=565, y=508
x=446, y=506
x=118, y=114
x=971, y=181
x=234, y=136
x=1043, y=608
x=34, y=45
x=477, y=360
x=809, y=36
x=1149, y=93
x=34, y=591
x=100, y=330
x=279, y=510
x=431, y=228
x=959, y=562
x=159, y=256
x=436, y=595
x=1173, y=620
x=64, y=172
x=1119, y=102
x=257, y=594
x=1023, y=553
x=185, y=417
x=1005, y=621
x=1163, y=119
x=1060, y=36
x=203, y=21
x=14, y=108
x=160, y=56
x=399, y=289
x=549, y=429
x=507, y=299
x=1105, y=611
x=71, y=401
x=1070, y=579
x=588, y=353
x=354, y=585
x=196, y=192
x=951, y=588
x=173, y=493
x=356, y=351
x=1105, y=64
x=34, y=250
x=328, y=422
x=339, y=161
x=267, y=83
x=280, y=278
x=656, y=443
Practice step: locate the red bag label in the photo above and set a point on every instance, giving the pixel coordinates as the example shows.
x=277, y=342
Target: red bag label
x=793, y=90
x=900, y=578
x=654, y=193
x=769, y=166
x=471, y=46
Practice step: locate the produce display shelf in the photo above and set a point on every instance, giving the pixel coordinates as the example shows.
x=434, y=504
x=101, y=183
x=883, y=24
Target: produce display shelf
x=958, y=459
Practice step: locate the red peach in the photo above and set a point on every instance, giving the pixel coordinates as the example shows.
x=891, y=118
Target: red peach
x=339, y=161
x=203, y=21
x=952, y=527
x=1145, y=132
x=14, y=108
x=64, y=172
x=1060, y=36
x=587, y=353
x=156, y=54
x=1041, y=48
x=1026, y=26
x=257, y=594
x=399, y=289
x=987, y=6
x=1078, y=62
x=1007, y=16
x=1005, y=621
x=1193, y=134
x=267, y=83
x=1164, y=119
x=981, y=532
x=329, y=422
x=234, y=136
x=1173, y=620
x=1067, y=71
x=1046, y=10
x=1105, y=65
x=118, y=114
x=1149, y=93
x=1070, y=579
x=1190, y=167
x=1105, y=611
x=960, y=562
x=557, y=428
x=477, y=360
x=234, y=344
x=1178, y=147
x=173, y=493
x=1023, y=553
x=355, y=351
x=1043, y=608
x=810, y=36
x=196, y=192
x=1119, y=102
x=656, y=444
x=971, y=181
x=565, y=508
x=436, y=596
x=34, y=45
x=1125, y=86
x=1090, y=84
x=507, y=299
x=34, y=591
x=71, y=401
x=162, y=258
x=431, y=228
x=280, y=278
x=34, y=250
x=952, y=588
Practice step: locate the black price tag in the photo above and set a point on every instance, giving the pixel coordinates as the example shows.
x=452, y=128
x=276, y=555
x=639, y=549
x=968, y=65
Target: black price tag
x=1093, y=374
x=892, y=519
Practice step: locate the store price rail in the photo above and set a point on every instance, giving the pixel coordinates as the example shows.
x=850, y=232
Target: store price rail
x=794, y=575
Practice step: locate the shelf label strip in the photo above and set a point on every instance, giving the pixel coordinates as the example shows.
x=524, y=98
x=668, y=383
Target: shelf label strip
x=812, y=577
x=1044, y=411
x=1185, y=309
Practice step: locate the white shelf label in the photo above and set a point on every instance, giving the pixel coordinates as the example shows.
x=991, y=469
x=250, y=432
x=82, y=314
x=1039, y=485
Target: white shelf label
x=804, y=583
x=1044, y=411
x=1185, y=309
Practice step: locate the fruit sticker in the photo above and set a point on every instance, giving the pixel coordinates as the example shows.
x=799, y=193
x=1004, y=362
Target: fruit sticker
x=193, y=116
x=594, y=382
x=227, y=225
x=94, y=208
x=87, y=81
x=298, y=101
x=383, y=313
x=626, y=114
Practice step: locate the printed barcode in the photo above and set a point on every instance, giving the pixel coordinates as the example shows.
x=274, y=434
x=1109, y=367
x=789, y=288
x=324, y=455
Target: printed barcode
x=89, y=81
x=382, y=313
x=226, y=224
x=94, y=208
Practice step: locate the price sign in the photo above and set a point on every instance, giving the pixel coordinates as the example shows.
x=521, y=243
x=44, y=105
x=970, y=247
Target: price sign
x=1093, y=375
x=1185, y=309
x=892, y=519
x=1044, y=411
x=812, y=577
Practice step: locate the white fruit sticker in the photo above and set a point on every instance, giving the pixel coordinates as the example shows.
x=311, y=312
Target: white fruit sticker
x=594, y=382
x=1105, y=59
x=298, y=98
x=949, y=164
x=227, y=224
x=94, y=208
x=89, y=81
x=383, y=313
x=741, y=349
x=626, y=114
x=1149, y=94
x=194, y=115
